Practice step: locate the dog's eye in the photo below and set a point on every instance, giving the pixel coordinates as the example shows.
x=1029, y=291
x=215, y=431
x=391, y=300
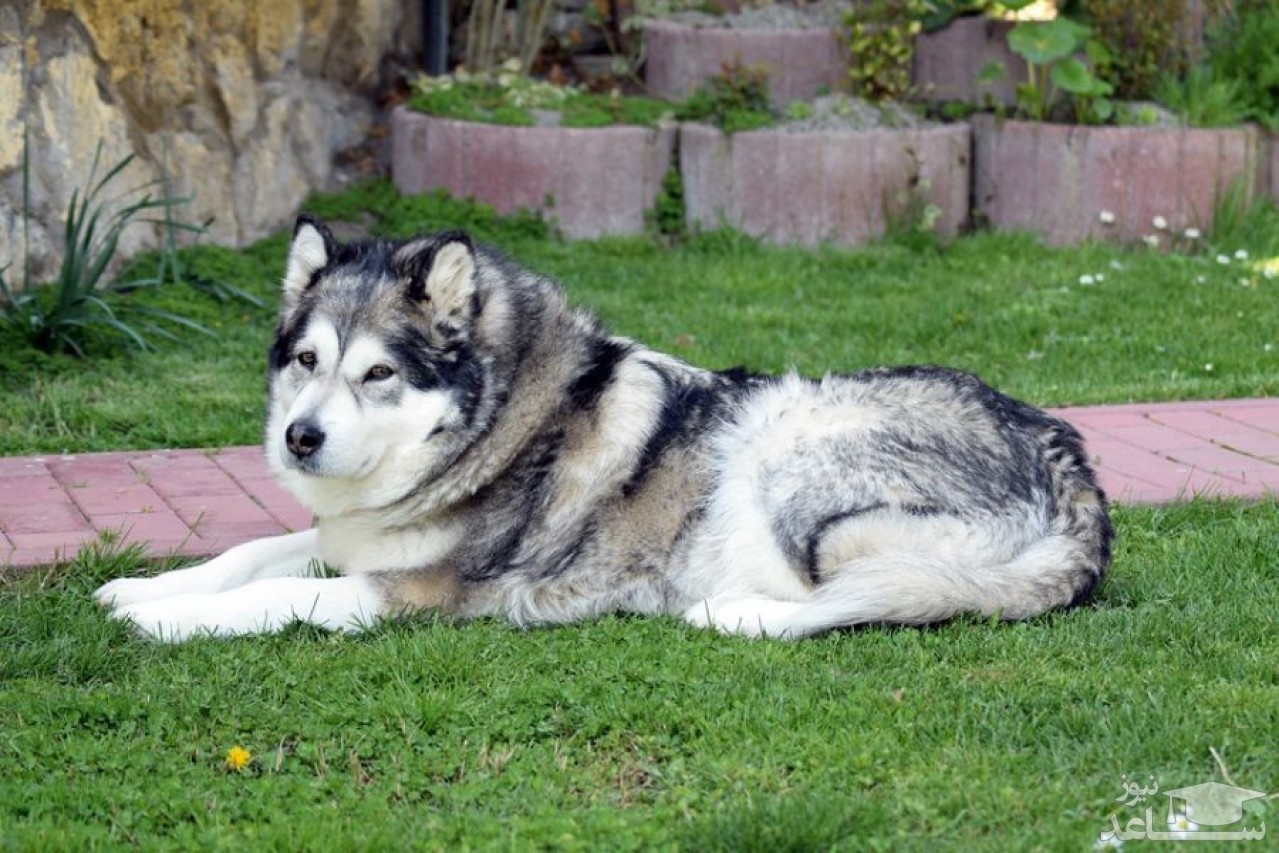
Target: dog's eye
x=306, y=358
x=378, y=372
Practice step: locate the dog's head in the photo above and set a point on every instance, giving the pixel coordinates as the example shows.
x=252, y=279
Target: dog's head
x=373, y=376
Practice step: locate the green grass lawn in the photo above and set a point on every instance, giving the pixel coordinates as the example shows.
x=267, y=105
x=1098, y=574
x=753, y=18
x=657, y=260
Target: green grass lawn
x=632, y=733
x=638, y=734
x=1157, y=327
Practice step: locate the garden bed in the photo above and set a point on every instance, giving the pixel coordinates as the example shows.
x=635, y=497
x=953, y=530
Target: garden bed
x=802, y=62
x=589, y=181
x=813, y=186
x=1069, y=183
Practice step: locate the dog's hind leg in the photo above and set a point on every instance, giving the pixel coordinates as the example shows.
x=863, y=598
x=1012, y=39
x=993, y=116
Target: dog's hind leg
x=915, y=588
x=291, y=555
x=748, y=617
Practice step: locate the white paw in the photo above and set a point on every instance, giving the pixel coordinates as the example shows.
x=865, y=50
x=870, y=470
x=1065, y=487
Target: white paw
x=746, y=617
x=165, y=620
x=123, y=592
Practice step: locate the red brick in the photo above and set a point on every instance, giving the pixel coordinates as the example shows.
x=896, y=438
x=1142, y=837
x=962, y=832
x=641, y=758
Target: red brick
x=28, y=490
x=51, y=517
x=205, y=483
x=162, y=526
x=67, y=541
x=17, y=467
x=242, y=463
x=199, y=510
x=95, y=500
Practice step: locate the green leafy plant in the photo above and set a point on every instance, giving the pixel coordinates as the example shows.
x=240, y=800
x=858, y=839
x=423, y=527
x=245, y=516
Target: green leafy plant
x=667, y=216
x=881, y=39
x=1051, y=50
x=511, y=97
x=735, y=99
x=1241, y=49
x=1143, y=38
x=1202, y=100
x=59, y=317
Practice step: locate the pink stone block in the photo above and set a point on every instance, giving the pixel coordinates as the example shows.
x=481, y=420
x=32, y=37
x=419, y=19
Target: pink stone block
x=199, y=510
x=201, y=483
x=849, y=200
x=60, y=516
x=66, y=541
x=1268, y=165
x=1265, y=419
x=97, y=467
x=95, y=500
x=801, y=64
x=705, y=164
x=19, y=466
x=25, y=490
x=1056, y=180
x=163, y=525
x=811, y=187
x=590, y=181
x=242, y=463
x=948, y=62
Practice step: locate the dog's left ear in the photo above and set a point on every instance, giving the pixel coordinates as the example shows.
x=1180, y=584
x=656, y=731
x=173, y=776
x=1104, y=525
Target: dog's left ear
x=441, y=271
x=311, y=250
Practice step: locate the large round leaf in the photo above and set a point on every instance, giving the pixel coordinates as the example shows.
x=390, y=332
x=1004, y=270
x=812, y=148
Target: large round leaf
x=1072, y=75
x=1042, y=42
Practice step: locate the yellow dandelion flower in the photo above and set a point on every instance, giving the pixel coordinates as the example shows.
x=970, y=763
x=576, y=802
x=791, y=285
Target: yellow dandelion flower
x=237, y=758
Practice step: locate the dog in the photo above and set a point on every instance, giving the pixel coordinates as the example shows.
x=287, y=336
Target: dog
x=470, y=444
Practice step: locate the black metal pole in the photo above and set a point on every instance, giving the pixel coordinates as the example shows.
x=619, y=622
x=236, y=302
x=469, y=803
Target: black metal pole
x=435, y=36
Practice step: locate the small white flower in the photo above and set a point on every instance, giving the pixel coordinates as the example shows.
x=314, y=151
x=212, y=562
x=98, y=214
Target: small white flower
x=1241, y=255
x=1151, y=240
x=1116, y=265
x=1224, y=260
x=1200, y=279
x=1087, y=279
x=1106, y=217
x=1182, y=827
x=1159, y=223
x=1208, y=367
x=1100, y=277
x=1191, y=234
x=1268, y=347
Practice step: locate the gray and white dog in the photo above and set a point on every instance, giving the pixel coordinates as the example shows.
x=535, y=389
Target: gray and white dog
x=470, y=444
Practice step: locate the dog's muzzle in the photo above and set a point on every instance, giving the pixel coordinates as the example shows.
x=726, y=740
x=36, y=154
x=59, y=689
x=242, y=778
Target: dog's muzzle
x=303, y=438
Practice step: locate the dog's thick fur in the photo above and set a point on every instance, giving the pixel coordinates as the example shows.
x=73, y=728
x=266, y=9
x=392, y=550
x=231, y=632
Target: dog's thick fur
x=470, y=444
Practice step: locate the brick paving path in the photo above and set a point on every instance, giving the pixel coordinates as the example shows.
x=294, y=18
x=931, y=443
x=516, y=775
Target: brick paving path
x=198, y=503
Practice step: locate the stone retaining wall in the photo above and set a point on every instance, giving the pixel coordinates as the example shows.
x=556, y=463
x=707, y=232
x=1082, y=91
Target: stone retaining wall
x=241, y=105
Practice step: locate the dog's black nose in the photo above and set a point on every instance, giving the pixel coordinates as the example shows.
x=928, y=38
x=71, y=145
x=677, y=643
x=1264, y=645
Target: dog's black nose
x=303, y=438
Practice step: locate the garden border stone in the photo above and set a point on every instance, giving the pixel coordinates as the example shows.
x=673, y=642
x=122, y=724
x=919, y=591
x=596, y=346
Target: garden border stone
x=801, y=63
x=1056, y=180
x=1268, y=164
x=948, y=62
x=816, y=186
x=590, y=181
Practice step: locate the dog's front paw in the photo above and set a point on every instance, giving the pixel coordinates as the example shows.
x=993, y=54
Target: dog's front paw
x=155, y=620
x=123, y=592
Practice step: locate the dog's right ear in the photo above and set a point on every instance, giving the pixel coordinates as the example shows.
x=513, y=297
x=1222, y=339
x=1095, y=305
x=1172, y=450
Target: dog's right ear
x=311, y=250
